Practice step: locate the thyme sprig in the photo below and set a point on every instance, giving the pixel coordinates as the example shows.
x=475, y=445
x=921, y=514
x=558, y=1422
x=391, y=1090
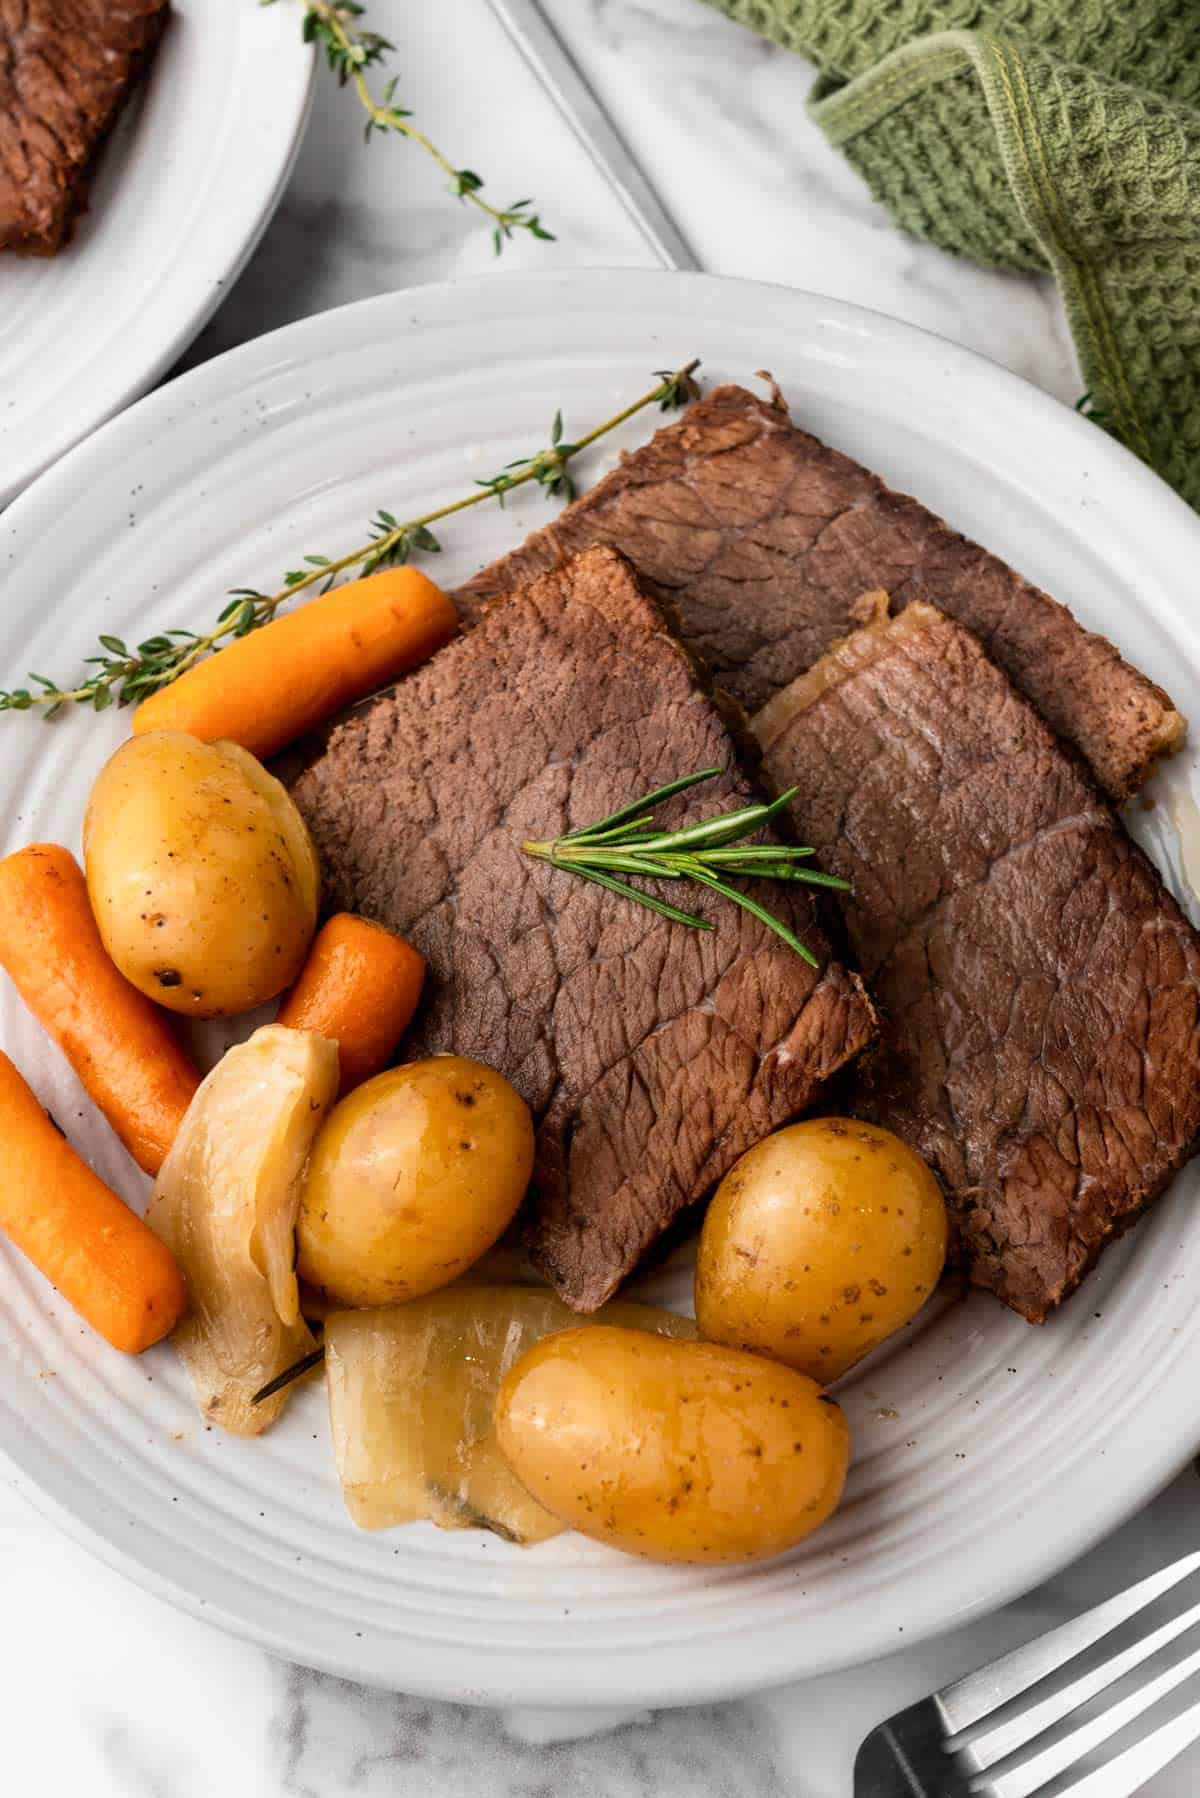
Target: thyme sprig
x=549, y=466
x=1088, y=406
x=627, y=842
x=123, y=674
x=350, y=50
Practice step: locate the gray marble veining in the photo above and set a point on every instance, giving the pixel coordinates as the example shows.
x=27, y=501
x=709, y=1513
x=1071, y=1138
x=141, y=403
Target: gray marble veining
x=106, y=1693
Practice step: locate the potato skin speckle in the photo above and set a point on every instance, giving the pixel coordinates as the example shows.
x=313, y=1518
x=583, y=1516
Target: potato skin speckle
x=398, y=1200
x=201, y=873
x=806, y=1225
x=677, y=1451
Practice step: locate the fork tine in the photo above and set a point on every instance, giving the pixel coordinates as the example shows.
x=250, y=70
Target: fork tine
x=971, y=1699
x=1127, y=1773
x=997, y=1744
x=1033, y=1775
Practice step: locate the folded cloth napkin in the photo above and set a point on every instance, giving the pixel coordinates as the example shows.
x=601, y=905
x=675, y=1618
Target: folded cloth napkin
x=1039, y=134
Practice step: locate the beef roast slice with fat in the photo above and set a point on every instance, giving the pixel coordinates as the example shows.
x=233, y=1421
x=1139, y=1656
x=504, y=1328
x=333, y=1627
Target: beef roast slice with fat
x=651, y=1054
x=761, y=538
x=66, y=69
x=1037, y=984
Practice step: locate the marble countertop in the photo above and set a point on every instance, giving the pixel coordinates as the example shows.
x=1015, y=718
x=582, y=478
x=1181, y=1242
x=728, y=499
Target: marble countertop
x=107, y=1692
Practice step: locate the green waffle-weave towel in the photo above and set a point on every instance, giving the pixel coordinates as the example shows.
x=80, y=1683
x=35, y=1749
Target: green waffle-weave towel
x=1039, y=134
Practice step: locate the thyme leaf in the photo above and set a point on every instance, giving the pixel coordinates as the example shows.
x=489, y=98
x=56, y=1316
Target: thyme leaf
x=123, y=675
x=351, y=50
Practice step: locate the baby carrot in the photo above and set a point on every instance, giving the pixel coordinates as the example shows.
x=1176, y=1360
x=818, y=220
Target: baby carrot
x=104, y=1260
x=117, y=1041
x=265, y=690
x=359, y=987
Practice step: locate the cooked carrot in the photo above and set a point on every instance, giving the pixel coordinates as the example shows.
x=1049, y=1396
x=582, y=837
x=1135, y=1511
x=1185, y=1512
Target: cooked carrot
x=265, y=690
x=104, y=1260
x=117, y=1041
x=359, y=987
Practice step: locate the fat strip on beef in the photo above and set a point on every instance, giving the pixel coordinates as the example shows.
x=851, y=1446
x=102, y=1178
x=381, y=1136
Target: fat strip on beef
x=760, y=538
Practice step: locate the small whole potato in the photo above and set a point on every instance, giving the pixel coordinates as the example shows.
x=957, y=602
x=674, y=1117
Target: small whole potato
x=680, y=1451
x=201, y=873
x=823, y=1239
x=413, y=1177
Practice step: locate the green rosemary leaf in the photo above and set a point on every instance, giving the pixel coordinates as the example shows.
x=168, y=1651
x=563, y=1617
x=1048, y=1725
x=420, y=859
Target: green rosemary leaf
x=647, y=899
x=816, y=878
x=773, y=871
x=702, y=852
x=737, y=897
x=295, y=1372
x=714, y=832
x=728, y=861
x=628, y=833
x=645, y=804
x=711, y=832
x=617, y=860
x=760, y=851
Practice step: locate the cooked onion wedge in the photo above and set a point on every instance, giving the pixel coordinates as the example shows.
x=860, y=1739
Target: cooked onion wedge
x=411, y=1394
x=225, y=1203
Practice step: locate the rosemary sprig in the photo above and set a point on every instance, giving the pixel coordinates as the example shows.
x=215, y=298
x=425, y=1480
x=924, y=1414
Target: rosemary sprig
x=626, y=843
x=295, y=1372
x=350, y=50
x=124, y=674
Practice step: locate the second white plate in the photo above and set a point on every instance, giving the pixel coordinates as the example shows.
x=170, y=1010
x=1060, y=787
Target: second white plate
x=987, y=1454
x=183, y=192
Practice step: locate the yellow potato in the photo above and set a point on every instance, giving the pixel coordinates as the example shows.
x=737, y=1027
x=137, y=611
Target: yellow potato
x=414, y=1175
x=680, y=1451
x=823, y=1239
x=201, y=873
x=412, y=1396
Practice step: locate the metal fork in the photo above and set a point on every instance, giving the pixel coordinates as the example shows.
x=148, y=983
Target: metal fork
x=1013, y=1730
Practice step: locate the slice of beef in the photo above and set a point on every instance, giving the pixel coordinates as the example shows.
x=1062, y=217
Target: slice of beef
x=651, y=1054
x=1039, y=988
x=761, y=538
x=66, y=69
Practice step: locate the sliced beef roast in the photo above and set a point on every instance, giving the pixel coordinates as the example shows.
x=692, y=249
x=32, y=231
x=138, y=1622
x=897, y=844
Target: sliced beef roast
x=652, y=1055
x=761, y=538
x=1039, y=988
x=67, y=68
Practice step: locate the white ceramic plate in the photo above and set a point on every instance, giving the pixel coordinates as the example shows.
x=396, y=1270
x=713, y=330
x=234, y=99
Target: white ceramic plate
x=987, y=1453
x=184, y=190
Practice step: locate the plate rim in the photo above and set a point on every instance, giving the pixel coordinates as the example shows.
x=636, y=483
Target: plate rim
x=209, y=289
x=226, y=373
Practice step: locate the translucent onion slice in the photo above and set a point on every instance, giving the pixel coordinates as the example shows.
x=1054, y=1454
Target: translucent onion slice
x=225, y=1203
x=412, y=1389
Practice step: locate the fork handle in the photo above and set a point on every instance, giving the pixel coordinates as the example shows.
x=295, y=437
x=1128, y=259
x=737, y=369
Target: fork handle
x=888, y=1760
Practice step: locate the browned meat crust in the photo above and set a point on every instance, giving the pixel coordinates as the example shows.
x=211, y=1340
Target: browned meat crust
x=651, y=1055
x=1039, y=988
x=762, y=538
x=66, y=69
